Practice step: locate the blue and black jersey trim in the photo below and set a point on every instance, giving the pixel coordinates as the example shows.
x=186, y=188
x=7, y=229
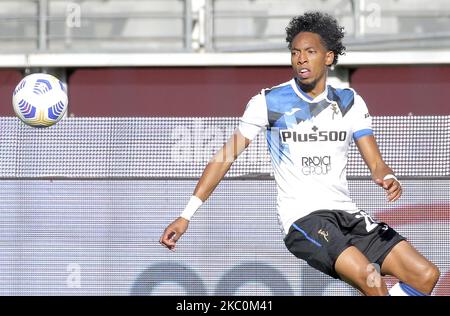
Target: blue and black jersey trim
x=364, y=132
x=345, y=98
x=285, y=109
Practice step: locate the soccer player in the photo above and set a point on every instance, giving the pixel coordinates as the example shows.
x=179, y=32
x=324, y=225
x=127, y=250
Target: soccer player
x=309, y=128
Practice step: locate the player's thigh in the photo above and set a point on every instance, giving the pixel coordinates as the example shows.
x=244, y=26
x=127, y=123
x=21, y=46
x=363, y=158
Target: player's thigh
x=353, y=266
x=405, y=262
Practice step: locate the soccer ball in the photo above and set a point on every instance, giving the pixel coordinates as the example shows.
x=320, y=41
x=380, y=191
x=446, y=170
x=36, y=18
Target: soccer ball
x=40, y=100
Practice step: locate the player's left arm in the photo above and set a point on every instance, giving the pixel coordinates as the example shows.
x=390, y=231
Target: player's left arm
x=370, y=152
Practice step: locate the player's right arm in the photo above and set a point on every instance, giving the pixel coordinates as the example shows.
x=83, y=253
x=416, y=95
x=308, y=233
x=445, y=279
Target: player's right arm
x=213, y=173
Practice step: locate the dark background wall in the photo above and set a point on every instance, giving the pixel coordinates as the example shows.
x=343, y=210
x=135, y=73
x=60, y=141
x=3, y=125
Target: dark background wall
x=225, y=91
x=404, y=90
x=190, y=91
x=9, y=78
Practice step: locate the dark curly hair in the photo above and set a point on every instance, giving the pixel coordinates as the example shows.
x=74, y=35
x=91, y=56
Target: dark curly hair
x=322, y=24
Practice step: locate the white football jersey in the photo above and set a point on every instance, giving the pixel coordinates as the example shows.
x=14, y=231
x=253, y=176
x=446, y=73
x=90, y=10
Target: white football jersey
x=308, y=141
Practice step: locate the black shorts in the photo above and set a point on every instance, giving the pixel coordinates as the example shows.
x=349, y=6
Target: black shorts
x=320, y=237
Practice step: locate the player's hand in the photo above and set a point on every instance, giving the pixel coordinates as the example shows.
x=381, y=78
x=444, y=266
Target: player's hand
x=173, y=232
x=393, y=188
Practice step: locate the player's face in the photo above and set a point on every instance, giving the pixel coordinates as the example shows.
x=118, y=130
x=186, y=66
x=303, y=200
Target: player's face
x=310, y=59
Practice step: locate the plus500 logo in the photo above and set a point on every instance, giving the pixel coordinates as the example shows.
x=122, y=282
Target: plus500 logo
x=288, y=135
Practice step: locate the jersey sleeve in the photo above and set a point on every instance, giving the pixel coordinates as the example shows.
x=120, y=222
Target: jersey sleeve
x=254, y=118
x=361, y=119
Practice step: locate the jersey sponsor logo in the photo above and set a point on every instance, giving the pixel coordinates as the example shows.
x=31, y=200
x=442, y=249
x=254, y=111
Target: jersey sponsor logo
x=316, y=165
x=290, y=135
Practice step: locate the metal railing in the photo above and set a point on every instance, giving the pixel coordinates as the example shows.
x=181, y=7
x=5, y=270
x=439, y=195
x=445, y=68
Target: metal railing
x=110, y=26
x=95, y=26
x=369, y=24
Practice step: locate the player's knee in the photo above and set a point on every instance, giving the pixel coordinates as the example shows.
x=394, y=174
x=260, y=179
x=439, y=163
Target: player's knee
x=431, y=274
x=426, y=278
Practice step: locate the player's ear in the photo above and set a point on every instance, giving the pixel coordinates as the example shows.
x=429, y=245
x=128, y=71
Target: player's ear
x=329, y=58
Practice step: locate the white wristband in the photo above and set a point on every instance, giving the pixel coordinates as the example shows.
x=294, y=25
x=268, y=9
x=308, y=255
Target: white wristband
x=391, y=176
x=192, y=207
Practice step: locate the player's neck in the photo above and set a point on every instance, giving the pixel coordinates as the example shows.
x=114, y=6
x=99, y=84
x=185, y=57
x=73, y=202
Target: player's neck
x=311, y=90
